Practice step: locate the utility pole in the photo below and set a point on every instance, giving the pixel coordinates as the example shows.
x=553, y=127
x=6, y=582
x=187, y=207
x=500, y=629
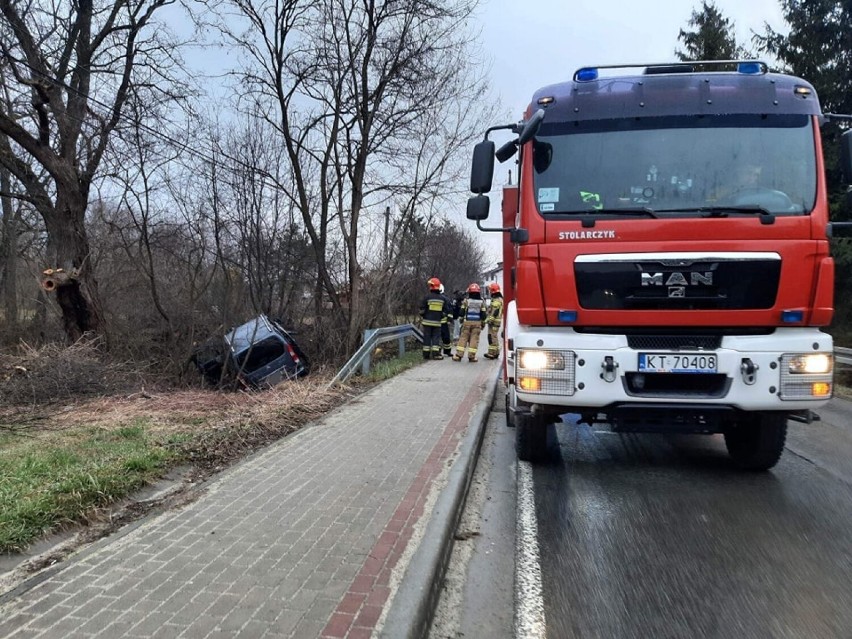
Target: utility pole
x=387, y=224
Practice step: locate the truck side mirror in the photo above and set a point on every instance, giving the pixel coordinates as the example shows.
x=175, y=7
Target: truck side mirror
x=846, y=156
x=531, y=127
x=507, y=150
x=481, y=171
x=477, y=207
x=839, y=229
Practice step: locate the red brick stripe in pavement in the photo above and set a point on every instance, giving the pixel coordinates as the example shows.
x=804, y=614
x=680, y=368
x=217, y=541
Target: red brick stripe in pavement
x=359, y=610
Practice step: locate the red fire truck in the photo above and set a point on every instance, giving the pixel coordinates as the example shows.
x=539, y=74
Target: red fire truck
x=666, y=254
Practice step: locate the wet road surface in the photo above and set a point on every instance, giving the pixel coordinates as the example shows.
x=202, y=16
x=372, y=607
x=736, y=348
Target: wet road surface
x=659, y=536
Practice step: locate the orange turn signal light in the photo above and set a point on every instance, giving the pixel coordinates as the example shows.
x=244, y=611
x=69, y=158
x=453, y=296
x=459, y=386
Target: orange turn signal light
x=820, y=389
x=530, y=383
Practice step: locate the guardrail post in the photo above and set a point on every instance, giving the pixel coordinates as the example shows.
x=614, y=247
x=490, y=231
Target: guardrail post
x=402, y=346
x=365, y=365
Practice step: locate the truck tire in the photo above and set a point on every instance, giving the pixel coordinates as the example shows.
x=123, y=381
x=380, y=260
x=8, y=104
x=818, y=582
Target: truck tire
x=530, y=437
x=511, y=416
x=756, y=442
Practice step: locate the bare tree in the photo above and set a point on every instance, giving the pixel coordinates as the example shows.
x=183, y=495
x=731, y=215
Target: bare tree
x=348, y=86
x=417, y=247
x=8, y=251
x=274, y=254
x=72, y=68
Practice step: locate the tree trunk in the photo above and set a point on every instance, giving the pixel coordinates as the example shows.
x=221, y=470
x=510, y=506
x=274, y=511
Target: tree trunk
x=9, y=254
x=355, y=311
x=68, y=249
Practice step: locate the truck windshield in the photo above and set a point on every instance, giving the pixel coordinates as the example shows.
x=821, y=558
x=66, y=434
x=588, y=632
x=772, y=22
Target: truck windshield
x=679, y=165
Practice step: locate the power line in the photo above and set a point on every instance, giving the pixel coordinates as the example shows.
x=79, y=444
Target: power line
x=264, y=175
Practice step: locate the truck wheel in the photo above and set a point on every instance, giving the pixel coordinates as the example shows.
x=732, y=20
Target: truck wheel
x=756, y=442
x=530, y=437
x=510, y=422
x=511, y=416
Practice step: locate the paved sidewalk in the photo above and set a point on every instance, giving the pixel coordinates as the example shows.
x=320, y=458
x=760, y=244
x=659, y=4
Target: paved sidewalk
x=335, y=531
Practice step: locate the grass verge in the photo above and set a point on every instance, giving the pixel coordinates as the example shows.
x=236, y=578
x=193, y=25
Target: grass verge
x=386, y=369
x=48, y=482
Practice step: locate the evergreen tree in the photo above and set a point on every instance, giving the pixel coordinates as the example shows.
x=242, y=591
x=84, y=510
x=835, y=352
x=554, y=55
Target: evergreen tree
x=818, y=48
x=712, y=39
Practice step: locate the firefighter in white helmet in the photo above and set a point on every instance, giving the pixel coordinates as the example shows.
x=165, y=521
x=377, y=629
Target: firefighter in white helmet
x=473, y=318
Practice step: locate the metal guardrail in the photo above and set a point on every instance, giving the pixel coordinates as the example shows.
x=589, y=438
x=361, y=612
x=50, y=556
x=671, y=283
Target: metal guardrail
x=372, y=338
x=843, y=355
x=375, y=336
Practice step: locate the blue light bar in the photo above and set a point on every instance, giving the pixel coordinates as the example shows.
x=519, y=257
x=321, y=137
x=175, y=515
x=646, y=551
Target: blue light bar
x=792, y=317
x=567, y=316
x=586, y=74
x=750, y=68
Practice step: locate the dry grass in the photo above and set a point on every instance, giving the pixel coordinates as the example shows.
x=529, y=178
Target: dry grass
x=59, y=389
x=54, y=374
x=62, y=400
x=206, y=427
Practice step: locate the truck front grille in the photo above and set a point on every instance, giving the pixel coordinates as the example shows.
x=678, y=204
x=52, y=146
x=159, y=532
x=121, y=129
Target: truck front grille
x=676, y=385
x=674, y=342
x=658, y=282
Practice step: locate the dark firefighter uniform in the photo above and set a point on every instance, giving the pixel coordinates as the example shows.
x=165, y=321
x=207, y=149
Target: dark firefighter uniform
x=495, y=318
x=446, y=339
x=473, y=319
x=433, y=312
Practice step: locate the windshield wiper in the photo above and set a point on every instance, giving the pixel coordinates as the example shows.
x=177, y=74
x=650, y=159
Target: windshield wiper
x=638, y=210
x=630, y=210
x=588, y=216
x=766, y=216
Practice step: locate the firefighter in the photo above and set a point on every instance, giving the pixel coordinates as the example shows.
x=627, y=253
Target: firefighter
x=494, y=319
x=458, y=298
x=433, y=312
x=473, y=318
x=446, y=341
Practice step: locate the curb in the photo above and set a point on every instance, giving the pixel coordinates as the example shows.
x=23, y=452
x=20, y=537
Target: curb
x=413, y=606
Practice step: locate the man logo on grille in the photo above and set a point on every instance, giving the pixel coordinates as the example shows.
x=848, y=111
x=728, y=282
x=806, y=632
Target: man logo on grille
x=676, y=279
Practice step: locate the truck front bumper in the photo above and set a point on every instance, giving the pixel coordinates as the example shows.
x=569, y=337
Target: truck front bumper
x=788, y=370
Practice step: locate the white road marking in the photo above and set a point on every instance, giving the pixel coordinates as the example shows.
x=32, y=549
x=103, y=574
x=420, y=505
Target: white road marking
x=529, y=601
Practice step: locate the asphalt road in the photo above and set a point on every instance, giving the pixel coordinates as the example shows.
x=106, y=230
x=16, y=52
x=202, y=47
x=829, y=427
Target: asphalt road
x=659, y=536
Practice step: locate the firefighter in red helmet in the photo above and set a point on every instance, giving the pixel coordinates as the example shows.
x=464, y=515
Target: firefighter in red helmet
x=473, y=318
x=433, y=313
x=494, y=320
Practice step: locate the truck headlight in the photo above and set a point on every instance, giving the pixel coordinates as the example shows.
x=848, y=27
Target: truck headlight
x=542, y=371
x=810, y=363
x=806, y=376
x=536, y=360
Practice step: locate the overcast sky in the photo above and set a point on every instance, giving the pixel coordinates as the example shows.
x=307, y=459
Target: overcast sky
x=533, y=43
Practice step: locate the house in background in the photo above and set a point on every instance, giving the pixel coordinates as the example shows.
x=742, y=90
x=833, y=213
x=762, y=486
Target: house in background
x=493, y=275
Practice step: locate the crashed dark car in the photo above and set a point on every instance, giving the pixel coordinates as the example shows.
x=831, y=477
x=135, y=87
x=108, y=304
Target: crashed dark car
x=257, y=354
